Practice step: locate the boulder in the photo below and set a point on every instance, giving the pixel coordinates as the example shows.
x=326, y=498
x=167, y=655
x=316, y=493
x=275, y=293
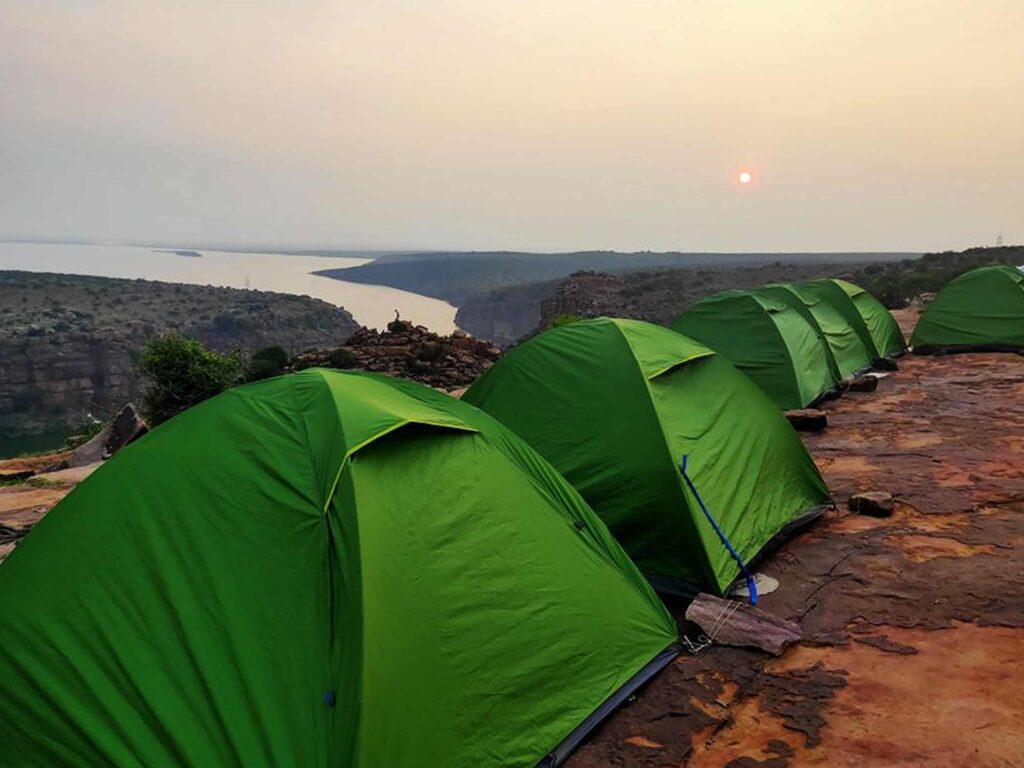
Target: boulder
x=873, y=503
x=863, y=384
x=125, y=427
x=807, y=419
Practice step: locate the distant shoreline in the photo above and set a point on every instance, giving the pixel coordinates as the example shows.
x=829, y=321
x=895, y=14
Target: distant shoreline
x=187, y=254
x=280, y=273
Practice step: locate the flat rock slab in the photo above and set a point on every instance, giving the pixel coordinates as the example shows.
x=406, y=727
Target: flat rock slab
x=807, y=419
x=125, y=427
x=28, y=498
x=70, y=476
x=873, y=503
x=39, y=463
x=728, y=622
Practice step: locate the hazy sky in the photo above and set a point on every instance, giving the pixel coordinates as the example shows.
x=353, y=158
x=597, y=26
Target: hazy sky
x=519, y=124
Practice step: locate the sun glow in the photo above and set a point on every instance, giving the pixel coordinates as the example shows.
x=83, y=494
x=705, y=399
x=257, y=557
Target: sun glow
x=745, y=177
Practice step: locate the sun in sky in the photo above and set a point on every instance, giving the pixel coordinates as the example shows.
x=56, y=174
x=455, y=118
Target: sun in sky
x=746, y=177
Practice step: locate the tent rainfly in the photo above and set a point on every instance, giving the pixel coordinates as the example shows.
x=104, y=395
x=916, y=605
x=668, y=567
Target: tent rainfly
x=981, y=310
x=844, y=350
x=615, y=404
x=873, y=323
x=768, y=340
x=323, y=569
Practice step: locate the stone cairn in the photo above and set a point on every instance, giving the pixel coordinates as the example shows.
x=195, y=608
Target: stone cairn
x=408, y=351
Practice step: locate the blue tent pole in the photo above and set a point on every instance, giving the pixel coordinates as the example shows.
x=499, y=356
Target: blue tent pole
x=751, y=586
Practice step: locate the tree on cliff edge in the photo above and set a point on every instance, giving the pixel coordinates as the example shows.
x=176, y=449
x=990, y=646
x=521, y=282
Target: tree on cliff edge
x=180, y=373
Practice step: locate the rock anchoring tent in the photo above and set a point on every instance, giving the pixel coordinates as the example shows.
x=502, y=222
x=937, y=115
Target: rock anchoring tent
x=323, y=569
x=768, y=339
x=615, y=404
x=980, y=310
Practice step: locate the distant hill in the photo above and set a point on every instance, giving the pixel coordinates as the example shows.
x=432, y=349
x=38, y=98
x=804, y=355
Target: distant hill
x=455, y=276
x=68, y=343
x=658, y=295
x=895, y=284
x=655, y=295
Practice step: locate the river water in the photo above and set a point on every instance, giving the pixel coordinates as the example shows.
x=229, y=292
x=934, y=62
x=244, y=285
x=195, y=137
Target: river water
x=371, y=305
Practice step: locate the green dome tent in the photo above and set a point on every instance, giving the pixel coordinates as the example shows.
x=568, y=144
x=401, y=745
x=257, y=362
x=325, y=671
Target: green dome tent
x=614, y=404
x=768, y=340
x=980, y=310
x=323, y=569
x=845, y=351
x=877, y=328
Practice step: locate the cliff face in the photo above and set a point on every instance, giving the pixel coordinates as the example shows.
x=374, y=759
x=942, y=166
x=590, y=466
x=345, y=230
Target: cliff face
x=68, y=344
x=507, y=314
x=49, y=383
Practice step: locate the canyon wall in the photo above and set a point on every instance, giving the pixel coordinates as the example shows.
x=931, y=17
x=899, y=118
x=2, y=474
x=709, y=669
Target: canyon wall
x=68, y=344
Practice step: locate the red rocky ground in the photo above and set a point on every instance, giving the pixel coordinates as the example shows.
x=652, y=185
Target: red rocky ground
x=913, y=625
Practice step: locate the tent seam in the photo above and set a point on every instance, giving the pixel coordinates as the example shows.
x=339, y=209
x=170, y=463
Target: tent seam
x=789, y=353
x=812, y=320
x=678, y=363
x=305, y=430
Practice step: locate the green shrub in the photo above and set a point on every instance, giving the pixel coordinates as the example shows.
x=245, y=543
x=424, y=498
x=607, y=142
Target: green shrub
x=896, y=283
x=230, y=323
x=559, y=320
x=179, y=373
x=83, y=433
x=266, y=362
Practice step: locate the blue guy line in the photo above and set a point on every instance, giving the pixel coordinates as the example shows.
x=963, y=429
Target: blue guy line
x=751, y=586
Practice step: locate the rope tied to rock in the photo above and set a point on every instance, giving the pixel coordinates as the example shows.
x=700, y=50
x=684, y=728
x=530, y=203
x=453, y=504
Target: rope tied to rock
x=705, y=640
